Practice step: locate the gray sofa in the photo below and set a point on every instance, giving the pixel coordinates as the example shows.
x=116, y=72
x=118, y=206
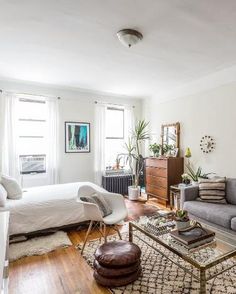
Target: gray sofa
x=221, y=216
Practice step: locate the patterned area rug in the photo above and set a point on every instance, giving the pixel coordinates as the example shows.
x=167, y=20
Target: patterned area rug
x=161, y=276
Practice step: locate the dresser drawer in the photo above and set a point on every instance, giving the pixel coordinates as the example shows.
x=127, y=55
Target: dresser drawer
x=156, y=162
x=156, y=181
x=158, y=191
x=155, y=171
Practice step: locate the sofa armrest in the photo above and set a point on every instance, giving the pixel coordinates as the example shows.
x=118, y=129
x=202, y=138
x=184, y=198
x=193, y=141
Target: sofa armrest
x=188, y=194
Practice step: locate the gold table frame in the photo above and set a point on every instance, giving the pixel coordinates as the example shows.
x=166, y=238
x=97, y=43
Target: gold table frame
x=202, y=279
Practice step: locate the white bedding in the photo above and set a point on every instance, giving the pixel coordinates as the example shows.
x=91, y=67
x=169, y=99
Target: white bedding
x=46, y=207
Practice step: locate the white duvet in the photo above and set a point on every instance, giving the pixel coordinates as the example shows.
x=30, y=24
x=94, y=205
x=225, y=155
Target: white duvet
x=46, y=207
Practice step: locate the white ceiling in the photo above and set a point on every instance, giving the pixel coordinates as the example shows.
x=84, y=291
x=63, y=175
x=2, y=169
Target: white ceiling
x=73, y=43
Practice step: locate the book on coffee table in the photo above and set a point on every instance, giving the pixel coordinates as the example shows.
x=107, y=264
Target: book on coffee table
x=193, y=238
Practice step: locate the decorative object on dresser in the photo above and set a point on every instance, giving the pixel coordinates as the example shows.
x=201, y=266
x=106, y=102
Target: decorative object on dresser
x=161, y=173
x=4, y=241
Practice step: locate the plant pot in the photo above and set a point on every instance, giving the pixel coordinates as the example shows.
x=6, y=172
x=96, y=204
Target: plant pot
x=133, y=192
x=194, y=183
x=181, y=225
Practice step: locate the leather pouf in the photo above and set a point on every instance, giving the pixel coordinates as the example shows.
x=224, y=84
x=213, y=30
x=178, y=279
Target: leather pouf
x=117, y=263
x=117, y=253
x=117, y=281
x=116, y=272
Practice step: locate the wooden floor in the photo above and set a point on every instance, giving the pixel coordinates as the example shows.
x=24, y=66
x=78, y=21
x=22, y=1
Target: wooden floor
x=64, y=271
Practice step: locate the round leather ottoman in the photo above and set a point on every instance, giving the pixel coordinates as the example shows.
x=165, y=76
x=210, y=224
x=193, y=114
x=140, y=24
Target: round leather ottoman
x=117, y=281
x=116, y=272
x=117, y=254
x=117, y=263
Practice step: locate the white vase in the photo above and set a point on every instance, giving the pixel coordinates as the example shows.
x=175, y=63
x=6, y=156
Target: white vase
x=194, y=183
x=182, y=225
x=133, y=192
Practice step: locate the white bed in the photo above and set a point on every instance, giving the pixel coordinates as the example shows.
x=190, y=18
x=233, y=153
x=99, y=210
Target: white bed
x=46, y=207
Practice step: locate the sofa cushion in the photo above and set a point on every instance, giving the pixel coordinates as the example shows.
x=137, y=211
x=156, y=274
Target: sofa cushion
x=212, y=190
x=231, y=191
x=233, y=223
x=220, y=214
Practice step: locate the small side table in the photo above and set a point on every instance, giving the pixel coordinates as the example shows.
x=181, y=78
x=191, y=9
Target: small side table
x=175, y=197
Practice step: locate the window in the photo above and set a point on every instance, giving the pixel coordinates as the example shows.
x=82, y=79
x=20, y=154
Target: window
x=115, y=138
x=114, y=123
x=31, y=129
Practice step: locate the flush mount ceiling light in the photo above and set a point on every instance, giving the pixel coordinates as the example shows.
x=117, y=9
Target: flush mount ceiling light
x=129, y=37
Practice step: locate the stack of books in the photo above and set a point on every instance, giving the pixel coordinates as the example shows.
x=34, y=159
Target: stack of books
x=194, y=238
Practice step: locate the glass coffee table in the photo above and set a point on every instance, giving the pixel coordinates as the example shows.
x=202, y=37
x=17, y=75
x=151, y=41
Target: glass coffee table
x=203, y=263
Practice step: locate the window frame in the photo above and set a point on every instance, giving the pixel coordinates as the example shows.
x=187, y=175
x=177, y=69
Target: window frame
x=123, y=131
x=32, y=120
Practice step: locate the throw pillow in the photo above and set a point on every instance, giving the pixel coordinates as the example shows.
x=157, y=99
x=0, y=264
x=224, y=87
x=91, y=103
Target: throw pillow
x=3, y=195
x=100, y=201
x=12, y=187
x=212, y=190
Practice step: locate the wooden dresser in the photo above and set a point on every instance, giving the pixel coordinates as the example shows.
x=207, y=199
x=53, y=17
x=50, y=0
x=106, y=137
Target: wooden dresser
x=161, y=173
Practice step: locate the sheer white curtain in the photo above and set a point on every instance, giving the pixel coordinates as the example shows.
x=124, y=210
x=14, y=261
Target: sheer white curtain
x=53, y=141
x=129, y=121
x=99, y=144
x=9, y=135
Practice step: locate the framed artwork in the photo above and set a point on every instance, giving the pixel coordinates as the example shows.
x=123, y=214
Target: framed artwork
x=77, y=137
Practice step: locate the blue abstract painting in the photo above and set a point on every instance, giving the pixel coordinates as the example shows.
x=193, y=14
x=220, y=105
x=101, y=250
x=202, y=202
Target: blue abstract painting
x=77, y=137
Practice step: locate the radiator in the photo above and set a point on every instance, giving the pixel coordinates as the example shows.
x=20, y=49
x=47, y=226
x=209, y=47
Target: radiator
x=117, y=183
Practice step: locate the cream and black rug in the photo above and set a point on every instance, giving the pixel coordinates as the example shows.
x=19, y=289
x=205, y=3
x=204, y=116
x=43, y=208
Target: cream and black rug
x=161, y=276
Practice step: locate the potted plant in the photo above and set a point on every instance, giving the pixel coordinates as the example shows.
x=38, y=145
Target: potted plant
x=155, y=149
x=195, y=175
x=182, y=219
x=134, y=156
x=186, y=179
x=166, y=149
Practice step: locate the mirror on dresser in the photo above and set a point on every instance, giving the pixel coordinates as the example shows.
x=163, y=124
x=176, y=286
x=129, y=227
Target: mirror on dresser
x=170, y=134
x=166, y=170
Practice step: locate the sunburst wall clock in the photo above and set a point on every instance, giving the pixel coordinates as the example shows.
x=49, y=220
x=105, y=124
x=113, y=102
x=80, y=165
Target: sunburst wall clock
x=207, y=144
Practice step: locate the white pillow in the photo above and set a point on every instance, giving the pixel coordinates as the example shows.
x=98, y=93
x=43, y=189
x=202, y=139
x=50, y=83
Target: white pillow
x=3, y=195
x=12, y=187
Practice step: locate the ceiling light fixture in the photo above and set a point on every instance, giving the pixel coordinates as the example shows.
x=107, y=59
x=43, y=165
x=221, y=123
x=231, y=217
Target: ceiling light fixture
x=129, y=37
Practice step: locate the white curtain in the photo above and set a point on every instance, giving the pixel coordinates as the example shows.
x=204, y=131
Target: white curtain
x=99, y=144
x=53, y=141
x=129, y=121
x=9, y=135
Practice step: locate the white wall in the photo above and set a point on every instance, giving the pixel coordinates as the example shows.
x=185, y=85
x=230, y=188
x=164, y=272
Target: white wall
x=212, y=113
x=74, y=105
